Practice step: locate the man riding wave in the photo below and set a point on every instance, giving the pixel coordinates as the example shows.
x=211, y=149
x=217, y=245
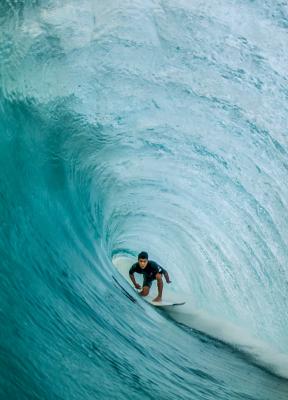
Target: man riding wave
x=151, y=271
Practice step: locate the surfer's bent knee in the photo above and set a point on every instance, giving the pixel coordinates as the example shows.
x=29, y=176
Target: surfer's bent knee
x=145, y=291
x=158, y=277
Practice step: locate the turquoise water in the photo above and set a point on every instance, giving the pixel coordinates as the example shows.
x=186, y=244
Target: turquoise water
x=129, y=126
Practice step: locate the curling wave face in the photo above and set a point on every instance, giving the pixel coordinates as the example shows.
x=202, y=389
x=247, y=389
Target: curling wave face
x=141, y=125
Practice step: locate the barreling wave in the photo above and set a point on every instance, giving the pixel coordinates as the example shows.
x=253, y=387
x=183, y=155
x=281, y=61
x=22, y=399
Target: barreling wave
x=143, y=125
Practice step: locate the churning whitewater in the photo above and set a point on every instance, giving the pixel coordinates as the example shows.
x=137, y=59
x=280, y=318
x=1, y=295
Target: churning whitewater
x=143, y=125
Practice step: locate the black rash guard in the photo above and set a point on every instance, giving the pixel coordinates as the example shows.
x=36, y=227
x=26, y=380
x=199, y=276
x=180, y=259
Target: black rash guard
x=149, y=272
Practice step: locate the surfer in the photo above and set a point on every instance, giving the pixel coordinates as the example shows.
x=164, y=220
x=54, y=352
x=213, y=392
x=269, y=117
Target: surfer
x=151, y=271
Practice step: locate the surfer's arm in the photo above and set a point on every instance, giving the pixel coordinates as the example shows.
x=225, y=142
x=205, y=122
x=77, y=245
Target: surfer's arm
x=137, y=286
x=131, y=274
x=165, y=273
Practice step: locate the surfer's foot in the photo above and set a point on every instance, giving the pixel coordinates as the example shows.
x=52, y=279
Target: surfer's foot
x=158, y=298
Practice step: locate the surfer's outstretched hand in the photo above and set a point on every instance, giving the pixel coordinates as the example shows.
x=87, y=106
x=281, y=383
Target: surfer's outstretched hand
x=169, y=281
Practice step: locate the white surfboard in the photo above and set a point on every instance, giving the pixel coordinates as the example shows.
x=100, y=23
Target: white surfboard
x=165, y=303
x=169, y=299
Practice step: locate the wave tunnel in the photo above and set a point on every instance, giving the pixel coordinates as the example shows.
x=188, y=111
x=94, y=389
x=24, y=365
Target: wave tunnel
x=143, y=125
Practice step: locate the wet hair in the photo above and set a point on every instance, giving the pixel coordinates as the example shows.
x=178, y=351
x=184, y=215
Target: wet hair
x=143, y=255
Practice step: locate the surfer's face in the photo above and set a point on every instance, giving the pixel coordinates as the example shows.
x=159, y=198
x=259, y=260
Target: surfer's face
x=142, y=262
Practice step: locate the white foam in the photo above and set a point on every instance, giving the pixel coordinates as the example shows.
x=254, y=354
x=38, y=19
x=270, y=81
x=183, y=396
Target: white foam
x=259, y=352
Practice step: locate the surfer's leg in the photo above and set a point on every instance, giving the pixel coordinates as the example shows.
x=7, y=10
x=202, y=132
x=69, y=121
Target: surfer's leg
x=147, y=283
x=144, y=291
x=160, y=287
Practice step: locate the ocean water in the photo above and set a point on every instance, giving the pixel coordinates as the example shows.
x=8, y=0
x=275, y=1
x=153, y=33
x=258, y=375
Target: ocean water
x=143, y=125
